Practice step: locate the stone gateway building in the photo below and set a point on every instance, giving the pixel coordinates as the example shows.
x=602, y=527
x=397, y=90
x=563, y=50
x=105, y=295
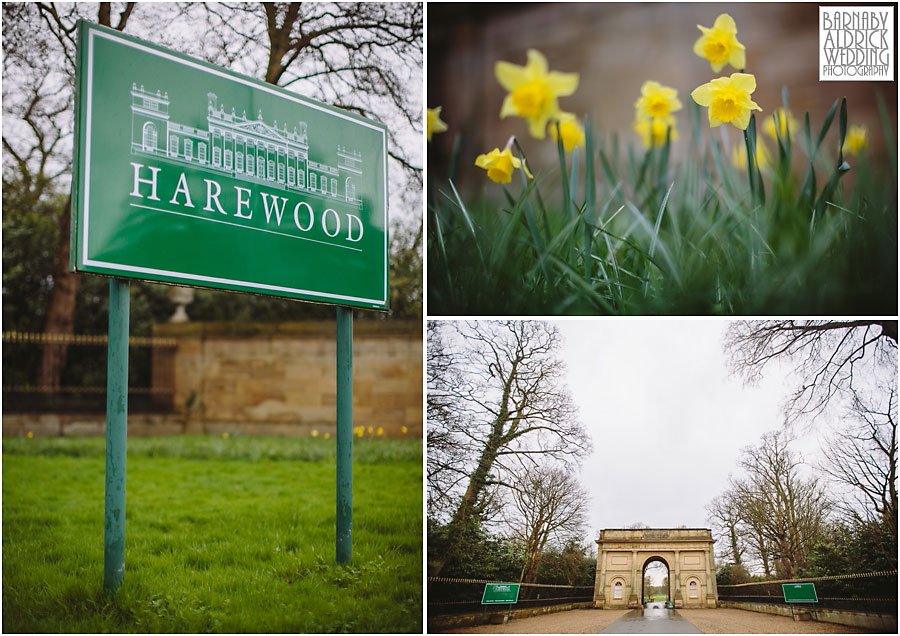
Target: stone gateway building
x=623, y=556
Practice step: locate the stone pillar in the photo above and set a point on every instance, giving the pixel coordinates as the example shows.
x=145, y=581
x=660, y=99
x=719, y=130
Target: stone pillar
x=711, y=593
x=678, y=599
x=633, y=600
x=600, y=581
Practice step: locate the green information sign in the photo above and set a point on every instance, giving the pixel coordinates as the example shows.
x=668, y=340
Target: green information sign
x=188, y=173
x=500, y=593
x=799, y=593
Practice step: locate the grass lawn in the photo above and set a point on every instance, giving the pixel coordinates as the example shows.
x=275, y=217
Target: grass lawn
x=222, y=535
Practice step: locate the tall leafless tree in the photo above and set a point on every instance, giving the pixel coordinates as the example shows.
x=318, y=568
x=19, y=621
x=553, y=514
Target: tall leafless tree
x=724, y=515
x=862, y=457
x=549, y=507
x=828, y=356
x=787, y=509
x=504, y=402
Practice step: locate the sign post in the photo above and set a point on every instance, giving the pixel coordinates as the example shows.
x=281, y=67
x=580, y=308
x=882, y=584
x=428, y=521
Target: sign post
x=799, y=593
x=344, y=436
x=187, y=173
x=116, y=434
x=500, y=594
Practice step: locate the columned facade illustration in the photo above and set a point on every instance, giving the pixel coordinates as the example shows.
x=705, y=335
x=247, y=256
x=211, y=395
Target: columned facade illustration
x=248, y=149
x=624, y=554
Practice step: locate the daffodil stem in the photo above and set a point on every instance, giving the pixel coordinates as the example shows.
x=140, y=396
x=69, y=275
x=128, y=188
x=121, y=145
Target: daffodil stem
x=750, y=166
x=509, y=143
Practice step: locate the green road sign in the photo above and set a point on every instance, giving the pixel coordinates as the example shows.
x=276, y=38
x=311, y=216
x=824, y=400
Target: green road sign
x=499, y=593
x=799, y=593
x=188, y=173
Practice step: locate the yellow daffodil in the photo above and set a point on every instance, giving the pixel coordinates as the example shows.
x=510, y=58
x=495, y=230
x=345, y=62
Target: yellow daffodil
x=327, y=436
x=500, y=165
x=728, y=99
x=786, y=122
x=653, y=130
x=571, y=131
x=657, y=100
x=856, y=139
x=380, y=431
x=739, y=155
x=719, y=44
x=315, y=433
x=371, y=430
x=403, y=430
x=225, y=436
x=29, y=435
x=533, y=91
x=433, y=123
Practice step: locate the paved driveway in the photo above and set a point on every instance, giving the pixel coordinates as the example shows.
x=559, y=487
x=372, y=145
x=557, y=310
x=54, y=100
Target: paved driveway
x=653, y=619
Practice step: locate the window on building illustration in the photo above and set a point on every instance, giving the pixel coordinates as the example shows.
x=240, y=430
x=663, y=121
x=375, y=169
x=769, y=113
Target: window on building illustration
x=349, y=190
x=290, y=175
x=324, y=183
x=188, y=149
x=261, y=167
x=228, y=159
x=217, y=156
x=281, y=171
x=692, y=589
x=239, y=161
x=250, y=163
x=149, y=136
x=271, y=173
x=201, y=151
x=173, y=145
x=334, y=187
x=312, y=180
x=301, y=178
x=617, y=590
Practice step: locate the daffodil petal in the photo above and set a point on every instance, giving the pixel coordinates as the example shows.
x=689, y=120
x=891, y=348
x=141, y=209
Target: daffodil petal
x=537, y=63
x=742, y=121
x=482, y=161
x=726, y=23
x=537, y=127
x=563, y=84
x=743, y=81
x=703, y=94
x=717, y=66
x=510, y=75
x=738, y=58
x=508, y=107
x=698, y=45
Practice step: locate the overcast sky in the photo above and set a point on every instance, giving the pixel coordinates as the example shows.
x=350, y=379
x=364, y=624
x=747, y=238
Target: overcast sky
x=667, y=419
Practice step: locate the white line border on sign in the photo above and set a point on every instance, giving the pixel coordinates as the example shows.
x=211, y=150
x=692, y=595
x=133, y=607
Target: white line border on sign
x=91, y=33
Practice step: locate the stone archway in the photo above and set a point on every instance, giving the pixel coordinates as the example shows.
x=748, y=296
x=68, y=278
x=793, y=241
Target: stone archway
x=647, y=563
x=623, y=555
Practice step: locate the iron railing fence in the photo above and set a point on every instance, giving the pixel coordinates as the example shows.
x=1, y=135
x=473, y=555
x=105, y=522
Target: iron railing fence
x=81, y=385
x=448, y=596
x=865, y=592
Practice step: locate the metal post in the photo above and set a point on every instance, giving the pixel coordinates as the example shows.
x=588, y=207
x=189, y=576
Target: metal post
x=344, y=455
x=116, y=434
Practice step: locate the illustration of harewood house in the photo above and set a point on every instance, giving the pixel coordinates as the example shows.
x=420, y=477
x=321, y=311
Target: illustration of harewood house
x=248, y=149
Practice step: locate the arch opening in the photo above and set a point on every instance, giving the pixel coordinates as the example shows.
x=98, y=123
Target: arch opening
x=655, y=581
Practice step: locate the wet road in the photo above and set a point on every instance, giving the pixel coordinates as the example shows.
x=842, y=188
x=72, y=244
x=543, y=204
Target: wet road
x=654, y=619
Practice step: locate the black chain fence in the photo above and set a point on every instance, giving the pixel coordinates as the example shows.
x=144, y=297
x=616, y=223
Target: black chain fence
x=867, y=592
x=463, y=596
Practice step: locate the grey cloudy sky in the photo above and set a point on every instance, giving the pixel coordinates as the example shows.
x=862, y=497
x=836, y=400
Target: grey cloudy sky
x=667, y=419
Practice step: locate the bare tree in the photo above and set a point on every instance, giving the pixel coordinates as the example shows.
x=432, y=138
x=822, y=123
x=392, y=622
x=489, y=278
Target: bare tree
x=549, y=504
x=504, y=403
x=786, y=509
x=828, y=356
x=863, y=458
x=724, y=515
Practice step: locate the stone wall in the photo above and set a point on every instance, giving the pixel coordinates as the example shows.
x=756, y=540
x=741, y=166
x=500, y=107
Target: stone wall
x=279, y=379
x=886, y=623
x=267, y=379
